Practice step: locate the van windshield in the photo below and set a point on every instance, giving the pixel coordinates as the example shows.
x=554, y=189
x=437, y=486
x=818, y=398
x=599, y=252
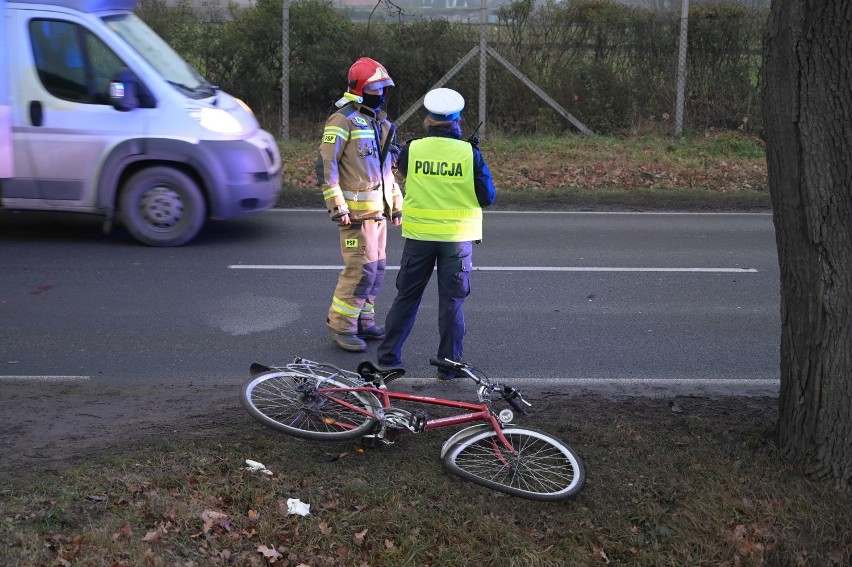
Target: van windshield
x=160, y=55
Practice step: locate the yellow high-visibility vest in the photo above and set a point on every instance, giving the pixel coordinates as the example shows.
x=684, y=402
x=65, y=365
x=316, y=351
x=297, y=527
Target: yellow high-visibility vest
x=440, y=199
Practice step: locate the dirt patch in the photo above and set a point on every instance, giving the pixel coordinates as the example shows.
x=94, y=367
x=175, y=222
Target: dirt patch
x=47, y=426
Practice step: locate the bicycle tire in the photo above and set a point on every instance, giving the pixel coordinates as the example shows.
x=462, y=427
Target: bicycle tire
x=288, y=402
x=463, y=434
x=541, y=468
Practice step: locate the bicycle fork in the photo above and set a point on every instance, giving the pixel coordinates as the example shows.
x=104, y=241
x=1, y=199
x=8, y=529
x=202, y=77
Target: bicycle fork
x=500, y=445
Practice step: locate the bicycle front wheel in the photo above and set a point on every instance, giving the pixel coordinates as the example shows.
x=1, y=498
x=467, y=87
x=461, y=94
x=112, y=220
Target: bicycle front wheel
x=304, y=407
x=540, y=468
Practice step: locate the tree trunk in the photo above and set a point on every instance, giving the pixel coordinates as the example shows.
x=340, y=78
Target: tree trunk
x=807, y=102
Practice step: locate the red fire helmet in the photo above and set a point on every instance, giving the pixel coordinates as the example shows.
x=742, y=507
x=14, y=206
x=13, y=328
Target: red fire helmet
x=366, y=72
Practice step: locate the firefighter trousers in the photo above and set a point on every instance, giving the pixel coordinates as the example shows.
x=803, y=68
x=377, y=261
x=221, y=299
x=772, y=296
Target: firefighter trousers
x=363, y=248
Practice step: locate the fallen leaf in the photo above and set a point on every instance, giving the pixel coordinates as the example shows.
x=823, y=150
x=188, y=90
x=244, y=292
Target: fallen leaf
x=359, y=537
x=152, y=536
x=600, y=553
x=738, y=533
x=324, y=528
x=269, y=553
x=212, y=518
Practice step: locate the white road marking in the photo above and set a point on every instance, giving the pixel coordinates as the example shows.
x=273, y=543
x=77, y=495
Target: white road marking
x=662, y=381
x=612, y=381
x=22, y=378
x=512, y=268
x=631, y=387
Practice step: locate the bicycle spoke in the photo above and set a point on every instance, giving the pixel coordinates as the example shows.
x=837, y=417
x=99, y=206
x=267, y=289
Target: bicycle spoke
x=296, y=405
x=318, y=413
x=540, y=467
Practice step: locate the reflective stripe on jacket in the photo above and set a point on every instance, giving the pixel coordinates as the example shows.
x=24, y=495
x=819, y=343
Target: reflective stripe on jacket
x=440, y=198
x=348, y=166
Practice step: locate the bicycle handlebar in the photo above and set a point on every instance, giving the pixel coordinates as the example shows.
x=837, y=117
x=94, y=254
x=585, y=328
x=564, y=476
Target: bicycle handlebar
x=513, y=397
x=508, y=393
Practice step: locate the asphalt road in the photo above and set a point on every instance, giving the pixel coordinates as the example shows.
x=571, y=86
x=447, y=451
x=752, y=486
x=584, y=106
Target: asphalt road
x=623, y=300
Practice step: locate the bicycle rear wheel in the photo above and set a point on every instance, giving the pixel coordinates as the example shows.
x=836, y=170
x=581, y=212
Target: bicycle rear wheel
x=541, y=468
x=295, y=404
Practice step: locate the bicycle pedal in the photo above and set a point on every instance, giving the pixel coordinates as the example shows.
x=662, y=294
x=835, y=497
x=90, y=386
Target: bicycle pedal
x=417, y=422
x=378, y=439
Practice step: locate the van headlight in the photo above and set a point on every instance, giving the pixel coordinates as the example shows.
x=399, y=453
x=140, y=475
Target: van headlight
x=244, y=105
x=215, y=119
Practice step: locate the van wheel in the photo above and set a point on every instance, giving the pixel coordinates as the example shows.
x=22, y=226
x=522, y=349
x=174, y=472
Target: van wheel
x=161, y=206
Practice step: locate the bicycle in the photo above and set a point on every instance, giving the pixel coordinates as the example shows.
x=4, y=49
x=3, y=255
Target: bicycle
x=318, y=401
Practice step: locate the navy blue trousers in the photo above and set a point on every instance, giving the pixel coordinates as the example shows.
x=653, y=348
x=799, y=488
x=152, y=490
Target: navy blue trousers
x=419, y=258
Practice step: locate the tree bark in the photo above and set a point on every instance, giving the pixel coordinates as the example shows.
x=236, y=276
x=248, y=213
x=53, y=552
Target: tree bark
x=807, y=103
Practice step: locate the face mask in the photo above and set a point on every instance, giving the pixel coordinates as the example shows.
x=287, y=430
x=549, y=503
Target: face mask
x=374, y=101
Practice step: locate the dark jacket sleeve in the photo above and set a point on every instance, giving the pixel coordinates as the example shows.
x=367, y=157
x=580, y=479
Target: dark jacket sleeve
x=482, y=181
x=402, y=161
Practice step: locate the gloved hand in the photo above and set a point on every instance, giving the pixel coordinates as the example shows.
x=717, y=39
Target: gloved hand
x=395, y=149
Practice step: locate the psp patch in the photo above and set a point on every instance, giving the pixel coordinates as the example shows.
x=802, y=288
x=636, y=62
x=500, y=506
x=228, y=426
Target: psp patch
x=351, y=243
x=328, y=138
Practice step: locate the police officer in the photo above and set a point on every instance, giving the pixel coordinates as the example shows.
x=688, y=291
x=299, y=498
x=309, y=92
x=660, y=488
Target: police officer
x=447, y=185
x=354, y=168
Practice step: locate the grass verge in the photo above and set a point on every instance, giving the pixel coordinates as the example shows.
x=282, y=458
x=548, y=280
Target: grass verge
x=703, y=486
x=714, y=170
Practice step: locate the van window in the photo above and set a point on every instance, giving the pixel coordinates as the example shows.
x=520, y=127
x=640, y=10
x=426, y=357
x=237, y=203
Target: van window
x=73, y=64
x=151, y=47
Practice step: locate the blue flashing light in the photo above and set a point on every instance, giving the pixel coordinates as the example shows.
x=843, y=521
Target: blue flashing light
x=86, y=6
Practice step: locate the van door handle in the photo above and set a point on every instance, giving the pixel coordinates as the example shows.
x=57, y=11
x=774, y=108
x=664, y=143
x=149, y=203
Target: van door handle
x=36, y=113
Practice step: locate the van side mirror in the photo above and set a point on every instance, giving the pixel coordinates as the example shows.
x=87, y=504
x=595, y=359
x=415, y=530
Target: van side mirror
x=123, y=91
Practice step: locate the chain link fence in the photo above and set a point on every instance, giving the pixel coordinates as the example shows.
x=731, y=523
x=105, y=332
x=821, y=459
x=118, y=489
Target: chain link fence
x=611, y=65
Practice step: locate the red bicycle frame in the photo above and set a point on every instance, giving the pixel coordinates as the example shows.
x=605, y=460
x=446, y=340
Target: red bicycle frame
x=478, y=412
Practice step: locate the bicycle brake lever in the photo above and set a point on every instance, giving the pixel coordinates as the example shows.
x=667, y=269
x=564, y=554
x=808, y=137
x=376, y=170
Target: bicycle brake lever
x=512, y=396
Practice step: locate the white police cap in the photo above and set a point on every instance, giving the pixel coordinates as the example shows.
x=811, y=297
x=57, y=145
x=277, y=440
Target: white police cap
x=444, y=105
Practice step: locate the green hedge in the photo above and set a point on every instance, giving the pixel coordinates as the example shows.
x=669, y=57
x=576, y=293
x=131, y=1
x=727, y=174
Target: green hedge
x=612, y=66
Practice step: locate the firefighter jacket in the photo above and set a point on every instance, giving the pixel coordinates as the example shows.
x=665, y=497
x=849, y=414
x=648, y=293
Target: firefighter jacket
x=440, y=201
x=354, y=177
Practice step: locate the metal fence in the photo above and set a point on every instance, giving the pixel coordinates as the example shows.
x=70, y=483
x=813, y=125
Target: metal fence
x=576, y=65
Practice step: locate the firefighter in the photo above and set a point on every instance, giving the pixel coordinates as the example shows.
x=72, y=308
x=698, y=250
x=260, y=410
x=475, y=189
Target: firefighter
x=447, y=185
x=355, y=169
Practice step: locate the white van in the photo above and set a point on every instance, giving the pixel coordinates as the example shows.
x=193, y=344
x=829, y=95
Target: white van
x=99, y=115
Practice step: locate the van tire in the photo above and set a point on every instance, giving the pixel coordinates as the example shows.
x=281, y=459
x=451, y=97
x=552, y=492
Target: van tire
x=162, y=206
